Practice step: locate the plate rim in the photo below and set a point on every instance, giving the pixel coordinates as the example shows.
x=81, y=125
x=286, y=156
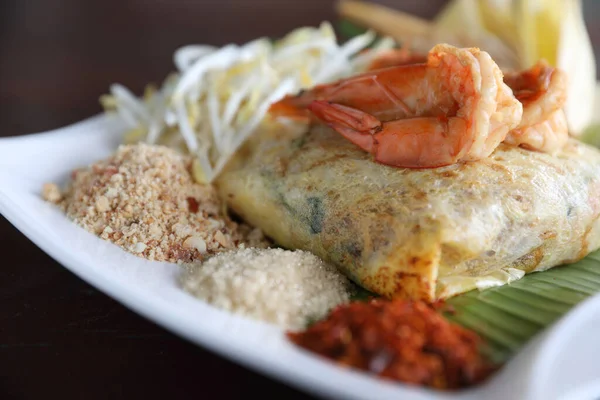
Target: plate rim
x=237, y=352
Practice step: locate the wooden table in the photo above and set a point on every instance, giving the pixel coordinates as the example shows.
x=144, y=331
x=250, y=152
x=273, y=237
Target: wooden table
x=58, y=335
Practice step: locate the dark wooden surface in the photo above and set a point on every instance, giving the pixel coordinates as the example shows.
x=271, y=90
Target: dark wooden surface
x=58, y=335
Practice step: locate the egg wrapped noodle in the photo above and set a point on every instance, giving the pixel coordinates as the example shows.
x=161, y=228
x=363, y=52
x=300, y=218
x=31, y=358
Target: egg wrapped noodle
x=423, y=234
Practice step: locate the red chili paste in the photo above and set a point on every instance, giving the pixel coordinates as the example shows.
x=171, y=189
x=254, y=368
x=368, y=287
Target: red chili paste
x=401, y=340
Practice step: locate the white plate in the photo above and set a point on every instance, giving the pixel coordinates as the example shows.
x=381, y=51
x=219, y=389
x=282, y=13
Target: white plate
x=561, y=363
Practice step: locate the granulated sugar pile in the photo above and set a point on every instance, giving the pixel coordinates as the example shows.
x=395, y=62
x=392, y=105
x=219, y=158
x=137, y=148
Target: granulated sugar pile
x=144, y=199
x=287, y=288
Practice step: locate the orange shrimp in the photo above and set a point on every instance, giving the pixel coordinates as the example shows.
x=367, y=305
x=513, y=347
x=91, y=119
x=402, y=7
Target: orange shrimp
x=547, y=136
x=542, y=90
x=453, y=107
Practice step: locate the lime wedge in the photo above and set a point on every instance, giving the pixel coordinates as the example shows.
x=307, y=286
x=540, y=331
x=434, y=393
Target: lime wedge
x=538, y=25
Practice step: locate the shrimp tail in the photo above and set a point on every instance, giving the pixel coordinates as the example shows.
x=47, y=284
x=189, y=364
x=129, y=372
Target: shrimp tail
x=288, y=110
x=355, y=125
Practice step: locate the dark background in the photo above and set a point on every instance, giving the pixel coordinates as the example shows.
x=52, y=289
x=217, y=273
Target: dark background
x=58, y=335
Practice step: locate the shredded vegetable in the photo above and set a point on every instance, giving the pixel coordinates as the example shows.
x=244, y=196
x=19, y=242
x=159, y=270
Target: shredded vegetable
x=219, y=96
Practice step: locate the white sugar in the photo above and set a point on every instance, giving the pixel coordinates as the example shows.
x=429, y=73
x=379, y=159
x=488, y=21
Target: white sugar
x=287, y=288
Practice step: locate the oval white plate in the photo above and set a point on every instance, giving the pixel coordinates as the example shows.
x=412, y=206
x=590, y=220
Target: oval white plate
x=562, y=363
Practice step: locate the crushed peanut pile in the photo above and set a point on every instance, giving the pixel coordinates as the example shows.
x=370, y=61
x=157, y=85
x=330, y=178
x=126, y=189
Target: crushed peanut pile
x=144, y=199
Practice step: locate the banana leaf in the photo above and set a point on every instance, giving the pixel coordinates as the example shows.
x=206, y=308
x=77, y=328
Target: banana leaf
x=348, y=29
x=591, y=135
x=508, y=316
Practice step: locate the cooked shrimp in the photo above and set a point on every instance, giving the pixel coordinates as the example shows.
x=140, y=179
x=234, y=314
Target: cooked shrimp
x=542, y=90
x=547, y=136
x=453, y=107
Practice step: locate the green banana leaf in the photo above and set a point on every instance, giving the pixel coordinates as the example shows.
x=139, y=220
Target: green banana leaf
x=508, y=316
x=591, y=135
x=348, y=29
